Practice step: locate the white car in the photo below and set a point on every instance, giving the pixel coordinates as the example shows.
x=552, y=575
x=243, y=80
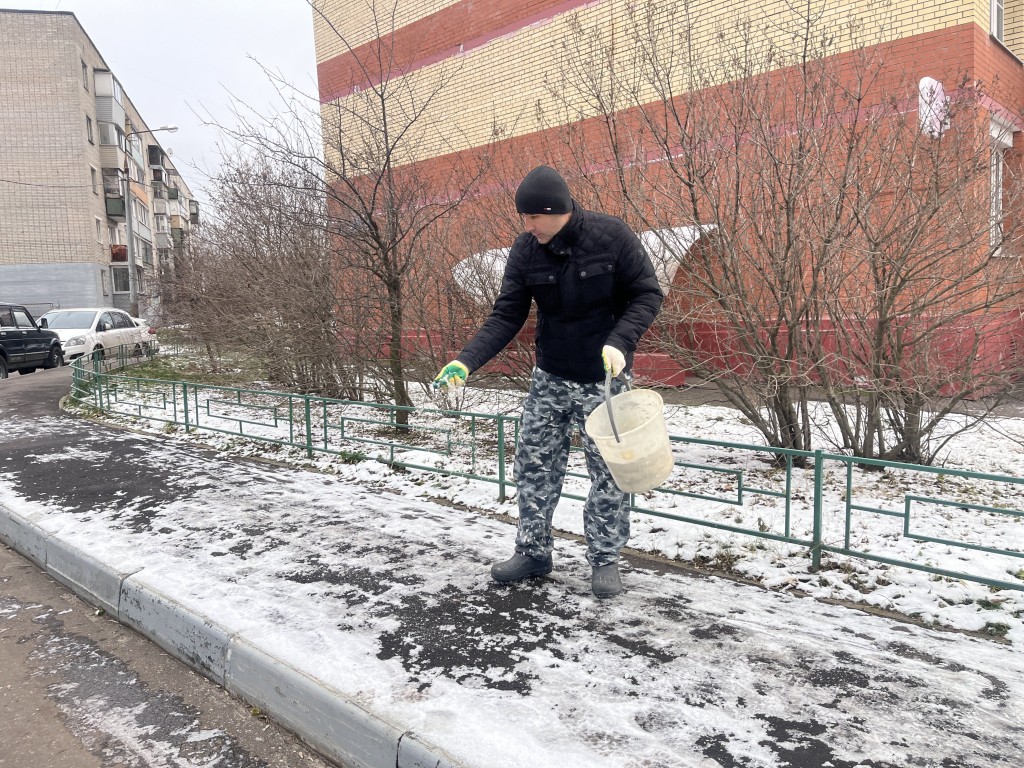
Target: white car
x=93, y=331
x=150, y=343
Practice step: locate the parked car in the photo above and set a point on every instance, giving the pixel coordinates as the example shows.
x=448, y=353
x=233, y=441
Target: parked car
x=150, y=343
x=93, y=331
x=24, y=344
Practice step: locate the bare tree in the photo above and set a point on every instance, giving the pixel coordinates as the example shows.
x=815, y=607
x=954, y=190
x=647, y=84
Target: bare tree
x=262, y=276
x=386, y=214
x=822, y=247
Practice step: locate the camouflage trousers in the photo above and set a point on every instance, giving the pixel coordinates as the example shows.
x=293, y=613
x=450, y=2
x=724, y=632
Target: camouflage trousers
x=553, y=406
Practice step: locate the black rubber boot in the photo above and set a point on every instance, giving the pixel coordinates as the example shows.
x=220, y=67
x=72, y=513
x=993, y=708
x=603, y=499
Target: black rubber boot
x=605, y=581
x=520, y=567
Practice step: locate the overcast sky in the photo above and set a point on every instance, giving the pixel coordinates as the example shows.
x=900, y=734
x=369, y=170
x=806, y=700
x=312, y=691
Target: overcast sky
x=191, y=56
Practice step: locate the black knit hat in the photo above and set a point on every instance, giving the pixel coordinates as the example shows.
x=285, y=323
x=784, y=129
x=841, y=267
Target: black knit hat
x=543, y=191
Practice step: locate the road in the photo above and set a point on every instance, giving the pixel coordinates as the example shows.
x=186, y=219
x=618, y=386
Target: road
x=78, y=689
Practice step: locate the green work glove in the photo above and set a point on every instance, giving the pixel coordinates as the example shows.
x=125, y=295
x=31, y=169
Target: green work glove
x=614, y=360
x=452, y=375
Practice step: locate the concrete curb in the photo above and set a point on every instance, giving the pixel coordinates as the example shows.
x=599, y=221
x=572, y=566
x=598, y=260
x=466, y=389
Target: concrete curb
x=323, y=717
x=86, y=576
x=20, y=534
x=196, y=639
x=331, y=724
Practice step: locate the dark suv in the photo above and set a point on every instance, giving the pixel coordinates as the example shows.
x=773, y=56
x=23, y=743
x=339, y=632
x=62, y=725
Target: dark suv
x=24, y=346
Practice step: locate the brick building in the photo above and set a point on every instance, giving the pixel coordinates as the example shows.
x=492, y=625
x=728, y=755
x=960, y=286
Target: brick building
x=69, y=132
x=564, y=81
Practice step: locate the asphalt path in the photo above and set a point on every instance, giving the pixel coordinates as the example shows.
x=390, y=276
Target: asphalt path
x=80, y=690
x=683, y=671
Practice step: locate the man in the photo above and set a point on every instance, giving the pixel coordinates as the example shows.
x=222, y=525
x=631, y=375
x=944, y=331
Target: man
x=596, y=295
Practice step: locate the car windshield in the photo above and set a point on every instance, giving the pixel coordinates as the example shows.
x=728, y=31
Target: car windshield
x=69, y=320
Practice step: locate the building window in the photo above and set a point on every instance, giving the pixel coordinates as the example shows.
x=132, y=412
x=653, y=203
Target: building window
x=113, y=234
x=997, y=19
x=109, y=135
x=140, y=212
x=88, y=129
x=99, y=230
x=85, y=76
x=120, y=275
x=112, y=185
x=1002, y=140
x=94, y=179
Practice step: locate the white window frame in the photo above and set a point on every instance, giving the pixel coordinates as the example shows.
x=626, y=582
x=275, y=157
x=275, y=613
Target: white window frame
x=997, y=13
x=114, y=272
x=1002, y=140
x=99, y=230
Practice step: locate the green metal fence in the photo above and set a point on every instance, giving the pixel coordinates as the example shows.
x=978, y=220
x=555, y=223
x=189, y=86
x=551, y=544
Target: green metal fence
x=926, y=518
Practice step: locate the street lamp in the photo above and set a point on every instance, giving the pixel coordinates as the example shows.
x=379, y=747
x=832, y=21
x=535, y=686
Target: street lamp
x=133, y=287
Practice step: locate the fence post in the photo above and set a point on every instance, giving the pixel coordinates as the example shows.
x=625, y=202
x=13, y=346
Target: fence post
x=501, y=458
x=816, y=536
x=184, y=402
x=309, y=429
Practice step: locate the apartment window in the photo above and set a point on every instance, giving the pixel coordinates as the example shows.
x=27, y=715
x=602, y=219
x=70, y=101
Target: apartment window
x=110, y=136
x=140, y=212
x=99, y=230
x=997, y=19
x=88, y=129
x=113, y=234
x=120, y=275
x=85, y=76
x=1002, y=140
x=94, y=179
x=112, y=184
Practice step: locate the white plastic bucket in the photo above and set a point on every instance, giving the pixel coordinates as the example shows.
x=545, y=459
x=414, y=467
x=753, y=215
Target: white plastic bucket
x=641, y=459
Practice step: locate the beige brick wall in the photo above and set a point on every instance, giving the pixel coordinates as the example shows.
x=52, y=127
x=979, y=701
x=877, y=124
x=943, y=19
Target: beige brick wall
x=48, y=210
x=506, y=82
x=1013, y=27
x=339, y=25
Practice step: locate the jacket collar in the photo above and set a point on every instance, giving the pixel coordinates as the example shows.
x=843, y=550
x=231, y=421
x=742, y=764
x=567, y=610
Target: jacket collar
x=569, y=235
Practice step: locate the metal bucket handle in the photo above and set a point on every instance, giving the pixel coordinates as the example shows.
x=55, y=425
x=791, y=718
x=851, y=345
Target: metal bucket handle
x=608, y=401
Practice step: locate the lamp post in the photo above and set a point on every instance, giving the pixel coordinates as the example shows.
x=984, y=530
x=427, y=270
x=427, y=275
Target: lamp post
x=133, y=283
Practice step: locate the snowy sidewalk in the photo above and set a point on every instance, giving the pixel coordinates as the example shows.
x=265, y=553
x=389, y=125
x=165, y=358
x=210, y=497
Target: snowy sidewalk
x=367, y=623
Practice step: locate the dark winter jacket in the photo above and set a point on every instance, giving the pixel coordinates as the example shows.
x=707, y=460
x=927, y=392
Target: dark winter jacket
x=594, y=284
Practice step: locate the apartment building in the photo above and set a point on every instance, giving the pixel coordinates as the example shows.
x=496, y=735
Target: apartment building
x=92, y=210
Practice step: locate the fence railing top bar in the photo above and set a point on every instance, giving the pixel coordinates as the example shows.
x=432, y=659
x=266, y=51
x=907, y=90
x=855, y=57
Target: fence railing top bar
x=790, y=452
x=313, y=398
x=851, y=460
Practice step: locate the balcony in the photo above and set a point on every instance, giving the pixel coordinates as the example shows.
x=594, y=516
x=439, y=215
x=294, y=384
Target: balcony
x=115, y=208
x=164, y=240
x=156, y=157
x=159, y=206
x=193, y=211
x=119, y=252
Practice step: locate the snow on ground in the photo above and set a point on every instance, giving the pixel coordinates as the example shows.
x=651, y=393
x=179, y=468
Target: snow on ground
x=980, y=512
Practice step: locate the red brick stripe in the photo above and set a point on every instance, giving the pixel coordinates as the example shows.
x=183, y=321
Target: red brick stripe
x=459, y=28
